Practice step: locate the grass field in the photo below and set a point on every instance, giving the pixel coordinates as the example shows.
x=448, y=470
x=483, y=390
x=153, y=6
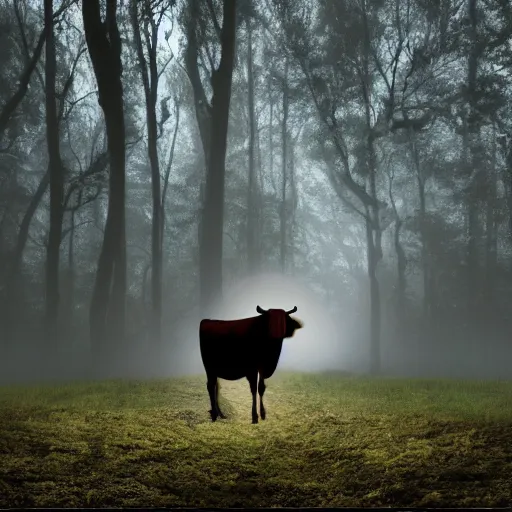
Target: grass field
x=328, y=440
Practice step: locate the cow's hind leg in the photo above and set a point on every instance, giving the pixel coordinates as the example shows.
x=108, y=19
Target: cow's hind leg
x=221, y=416
x=211, y=385
x=261, y=391
x=253, y=383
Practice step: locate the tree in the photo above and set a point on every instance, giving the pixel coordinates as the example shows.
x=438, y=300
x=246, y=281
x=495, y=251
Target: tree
x=56, y=183
x=13, y=282
x=108, y=300
x=14, y=101
x=213, y=124
x=252, y=214
x=150, y=20
x=329, y=92
x=284, y=166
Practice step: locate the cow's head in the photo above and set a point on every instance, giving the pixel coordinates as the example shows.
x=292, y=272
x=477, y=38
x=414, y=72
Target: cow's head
x=280, y=323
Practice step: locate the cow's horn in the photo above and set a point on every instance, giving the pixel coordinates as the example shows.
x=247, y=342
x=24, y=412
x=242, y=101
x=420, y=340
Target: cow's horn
x=260, y=310
x=294, y=310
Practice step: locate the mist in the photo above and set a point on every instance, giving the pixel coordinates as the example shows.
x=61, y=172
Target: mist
x=163, y=162
x=379, y=204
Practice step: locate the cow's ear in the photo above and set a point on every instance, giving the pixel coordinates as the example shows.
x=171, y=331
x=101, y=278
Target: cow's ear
x=260, y=310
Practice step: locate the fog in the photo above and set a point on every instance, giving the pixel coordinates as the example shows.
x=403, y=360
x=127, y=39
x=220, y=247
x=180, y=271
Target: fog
x=313, y=347
x=329, y=341
x=370, y=190
x=335, y=340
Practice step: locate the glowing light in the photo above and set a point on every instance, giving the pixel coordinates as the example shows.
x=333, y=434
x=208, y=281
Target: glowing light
x=313, y=347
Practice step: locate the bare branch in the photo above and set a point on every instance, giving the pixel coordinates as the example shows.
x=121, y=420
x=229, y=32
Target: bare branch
x=71, y=146
x=218, y=30
x=69, y=80
x=73, y=103
x=167, y=62
x=171, y=154
x=65, y=232
x=24, y=43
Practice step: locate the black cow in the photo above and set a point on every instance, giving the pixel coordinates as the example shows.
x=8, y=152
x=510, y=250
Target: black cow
x=233, y=349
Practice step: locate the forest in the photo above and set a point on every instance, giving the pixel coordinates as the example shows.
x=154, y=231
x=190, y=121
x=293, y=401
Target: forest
x=158, y=155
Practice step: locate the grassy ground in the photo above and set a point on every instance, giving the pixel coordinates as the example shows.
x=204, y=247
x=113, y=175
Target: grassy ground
x=328, y=441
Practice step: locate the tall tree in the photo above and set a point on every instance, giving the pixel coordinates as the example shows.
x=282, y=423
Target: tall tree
x=252, y=224
x=109, y=294
x=284, y=166
x=56, y=174
x=213, y=125
x=13, y=281
x=330, y=91
x=150, y=22
x=473, y=160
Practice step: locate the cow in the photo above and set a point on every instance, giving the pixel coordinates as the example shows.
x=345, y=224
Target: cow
x=233, y=349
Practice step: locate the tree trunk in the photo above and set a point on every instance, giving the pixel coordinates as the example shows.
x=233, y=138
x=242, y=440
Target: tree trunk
x=252, y=256
x=507, y=148
x=374, y=241
x=491, y=231
x=293, y=208
x=271, y=155
x=109, y=294
x=213, y=125
x=401, y=259
x=12, y=294
x=10, y=107
x=375, y=306
x=474, y=164
x=150, y=83
x=70, y=281
x=428, y=286
x=143, y=289
x=401, y=266
x=203, y=108
x=213, y=212
x=427, y=278
x=259, y=187
x=271, y=130
x=373, y=229
x=71, y=270
x=56, y=188
x=168, y=169
x=284, y=167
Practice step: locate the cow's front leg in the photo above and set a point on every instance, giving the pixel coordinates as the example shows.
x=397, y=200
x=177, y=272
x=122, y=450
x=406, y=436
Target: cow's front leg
x=261, y=391
x=253, y=383
x=211, y=385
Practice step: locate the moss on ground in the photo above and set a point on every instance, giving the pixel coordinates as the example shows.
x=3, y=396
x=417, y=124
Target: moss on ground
x=329, y=440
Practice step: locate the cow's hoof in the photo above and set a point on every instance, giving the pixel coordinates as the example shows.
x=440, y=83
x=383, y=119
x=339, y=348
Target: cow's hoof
x=221, y=416
x=213, y=416
x=254, y=421
x=263, y=415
